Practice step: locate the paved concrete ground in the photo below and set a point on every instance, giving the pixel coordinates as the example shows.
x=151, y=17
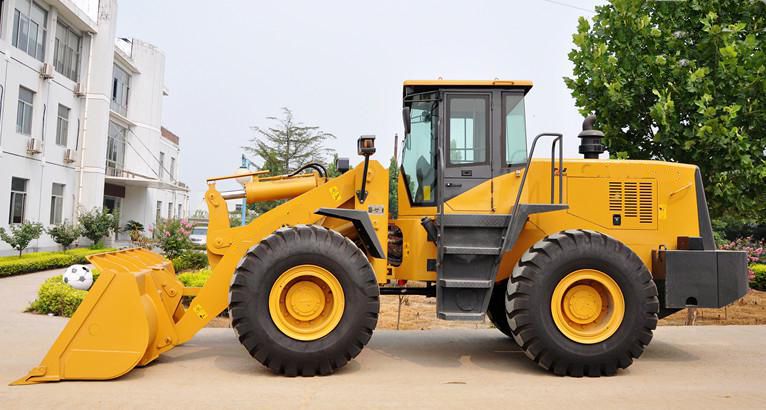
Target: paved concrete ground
x=684, y=367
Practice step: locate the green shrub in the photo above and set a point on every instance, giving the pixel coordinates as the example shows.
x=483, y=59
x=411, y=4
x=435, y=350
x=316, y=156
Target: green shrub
x=34, y=262
x=21, y=235
x=195, y=279
x=759, y=277
x=64, y=234
x=190, y=260
x=56, y=297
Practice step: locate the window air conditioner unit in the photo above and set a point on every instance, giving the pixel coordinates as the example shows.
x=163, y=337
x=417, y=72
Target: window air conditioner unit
x=46, y=71
x=79, y=90
x=68, y=156
x=34, y=146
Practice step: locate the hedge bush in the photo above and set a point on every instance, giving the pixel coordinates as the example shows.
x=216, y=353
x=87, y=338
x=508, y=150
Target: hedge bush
x=195, y=279
x=37, y=261
x=190, y=260
x=759, y=277
x=57, y=298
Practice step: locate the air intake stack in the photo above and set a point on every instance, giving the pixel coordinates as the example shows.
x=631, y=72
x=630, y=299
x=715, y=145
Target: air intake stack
x=590, y=139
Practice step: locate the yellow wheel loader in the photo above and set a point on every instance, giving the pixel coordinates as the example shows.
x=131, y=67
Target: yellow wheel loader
x=575, y=259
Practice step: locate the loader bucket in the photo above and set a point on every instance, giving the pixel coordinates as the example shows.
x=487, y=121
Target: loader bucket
x=126, y=320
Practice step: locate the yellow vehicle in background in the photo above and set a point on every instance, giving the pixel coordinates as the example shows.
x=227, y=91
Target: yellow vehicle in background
x=575, y=259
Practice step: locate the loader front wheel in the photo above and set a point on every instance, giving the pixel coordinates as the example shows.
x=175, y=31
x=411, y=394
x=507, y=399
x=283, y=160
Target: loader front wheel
x=581, y=303
x=496, y=309
x=304, y=301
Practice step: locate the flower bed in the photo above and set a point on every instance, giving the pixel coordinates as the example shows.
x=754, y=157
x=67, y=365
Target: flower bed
x=37, y=261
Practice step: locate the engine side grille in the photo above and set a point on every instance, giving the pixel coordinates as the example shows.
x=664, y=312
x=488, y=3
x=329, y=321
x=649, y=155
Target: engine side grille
x=634, y=200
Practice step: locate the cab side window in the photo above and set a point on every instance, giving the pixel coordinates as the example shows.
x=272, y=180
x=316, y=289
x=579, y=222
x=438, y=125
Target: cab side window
x=419, y=154
x=514, y=129
x=468, y=130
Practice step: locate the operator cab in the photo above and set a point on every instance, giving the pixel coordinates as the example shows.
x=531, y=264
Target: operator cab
x=483, y=135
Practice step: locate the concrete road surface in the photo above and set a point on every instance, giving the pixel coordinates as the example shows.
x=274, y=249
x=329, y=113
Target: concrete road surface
x=684, y=367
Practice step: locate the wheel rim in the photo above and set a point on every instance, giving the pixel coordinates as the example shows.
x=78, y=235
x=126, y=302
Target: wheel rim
x=587, y=306
x=306, y=302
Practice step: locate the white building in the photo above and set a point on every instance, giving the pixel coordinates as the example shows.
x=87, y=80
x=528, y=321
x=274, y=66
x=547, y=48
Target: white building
x=81, y=118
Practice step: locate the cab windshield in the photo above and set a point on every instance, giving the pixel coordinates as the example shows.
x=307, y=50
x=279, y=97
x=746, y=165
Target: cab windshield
x=419, y=153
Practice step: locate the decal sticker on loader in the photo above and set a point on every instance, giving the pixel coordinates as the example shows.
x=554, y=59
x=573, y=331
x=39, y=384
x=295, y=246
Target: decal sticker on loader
x=375, y=209
x=335, y=193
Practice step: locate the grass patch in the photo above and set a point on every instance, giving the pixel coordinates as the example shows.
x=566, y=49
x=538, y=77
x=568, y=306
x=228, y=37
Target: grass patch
x=37, y=261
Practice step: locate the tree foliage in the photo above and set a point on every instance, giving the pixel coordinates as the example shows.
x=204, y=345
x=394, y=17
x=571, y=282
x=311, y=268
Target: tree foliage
x=681, y=81
x=98, y=223
x=21, y=235
x=286, y=146
x=393, y=193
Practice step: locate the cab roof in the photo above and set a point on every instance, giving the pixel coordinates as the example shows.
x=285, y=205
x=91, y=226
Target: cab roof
x=414, y=86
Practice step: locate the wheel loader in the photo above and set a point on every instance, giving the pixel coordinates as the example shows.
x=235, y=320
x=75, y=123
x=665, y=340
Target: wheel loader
x=574, y=259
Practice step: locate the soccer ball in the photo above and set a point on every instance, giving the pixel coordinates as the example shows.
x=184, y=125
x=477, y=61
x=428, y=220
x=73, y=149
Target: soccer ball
x=78, y=277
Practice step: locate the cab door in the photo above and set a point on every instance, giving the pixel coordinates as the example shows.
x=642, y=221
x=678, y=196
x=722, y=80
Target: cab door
x=467, y=132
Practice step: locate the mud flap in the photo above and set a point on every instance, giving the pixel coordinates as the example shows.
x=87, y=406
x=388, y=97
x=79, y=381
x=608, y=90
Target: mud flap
x=126, y=320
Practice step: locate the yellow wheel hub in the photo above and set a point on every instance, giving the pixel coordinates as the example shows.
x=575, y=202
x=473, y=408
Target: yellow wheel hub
x=587, y=306
x=306, y=302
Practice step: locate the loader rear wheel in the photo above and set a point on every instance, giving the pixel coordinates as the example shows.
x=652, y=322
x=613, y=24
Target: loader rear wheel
x=581, y=303
x=304, y=301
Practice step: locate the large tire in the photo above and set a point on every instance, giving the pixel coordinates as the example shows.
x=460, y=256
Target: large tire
x=530, y=304
x=265, y=264
x=496, y=309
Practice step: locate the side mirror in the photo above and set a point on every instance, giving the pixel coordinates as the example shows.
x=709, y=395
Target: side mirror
x=407, y=120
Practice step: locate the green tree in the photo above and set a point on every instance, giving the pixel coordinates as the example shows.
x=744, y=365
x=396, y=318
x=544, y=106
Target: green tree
x=98, y=223
x=286, y=146
x=21, y=235
x=681, y=81
x=393, y=193
x=64, y=234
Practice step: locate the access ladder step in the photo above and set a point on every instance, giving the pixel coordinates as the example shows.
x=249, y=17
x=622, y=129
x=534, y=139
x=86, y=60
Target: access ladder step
x=466, y=283
x=460, y=316
x=471, y=250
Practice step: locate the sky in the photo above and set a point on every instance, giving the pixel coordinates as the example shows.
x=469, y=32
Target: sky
x=340, y=66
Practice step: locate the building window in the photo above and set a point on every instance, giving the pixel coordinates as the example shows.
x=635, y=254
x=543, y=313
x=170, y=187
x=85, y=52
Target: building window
x=120, y=90
x=18, y=200
x=158, y=212
x=62, y=126
x=161, y=173
x=115, y=150
x=66, y=56
x=172, y=168
x=57, y=203
x=170, y=210
x=24, y=112
x=179, y=214
x=29, y=27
